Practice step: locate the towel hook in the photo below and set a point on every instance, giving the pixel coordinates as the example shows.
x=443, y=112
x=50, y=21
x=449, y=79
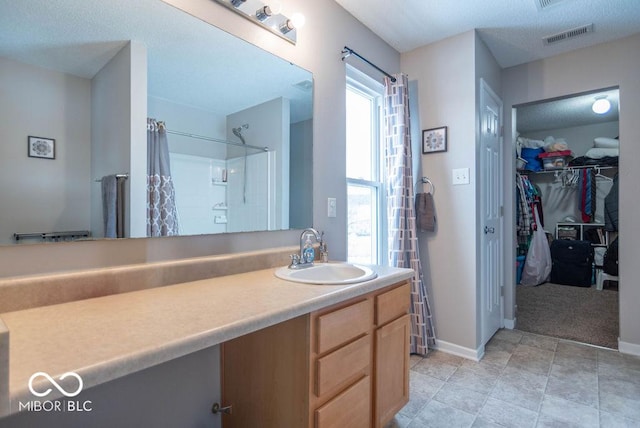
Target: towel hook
x=432, y=188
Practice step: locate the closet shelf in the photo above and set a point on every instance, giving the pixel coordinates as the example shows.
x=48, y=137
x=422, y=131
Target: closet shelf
x=566, y=168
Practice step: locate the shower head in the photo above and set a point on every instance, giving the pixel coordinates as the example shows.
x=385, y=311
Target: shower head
x=238, y=131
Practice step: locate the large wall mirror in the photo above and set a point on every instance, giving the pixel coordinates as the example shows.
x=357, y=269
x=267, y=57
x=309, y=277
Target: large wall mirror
x=80, y=78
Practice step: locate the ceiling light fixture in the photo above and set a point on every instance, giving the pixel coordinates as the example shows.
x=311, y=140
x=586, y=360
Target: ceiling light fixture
x=601, y=105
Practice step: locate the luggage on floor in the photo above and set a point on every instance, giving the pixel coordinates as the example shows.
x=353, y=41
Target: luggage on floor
x=610, y=264
x=572, y=262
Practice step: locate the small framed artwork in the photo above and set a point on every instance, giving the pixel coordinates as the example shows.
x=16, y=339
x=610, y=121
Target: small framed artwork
x=44, y=148
x=434, y=140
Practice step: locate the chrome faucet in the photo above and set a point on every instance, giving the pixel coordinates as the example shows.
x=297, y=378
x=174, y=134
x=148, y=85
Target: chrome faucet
x=298, y=260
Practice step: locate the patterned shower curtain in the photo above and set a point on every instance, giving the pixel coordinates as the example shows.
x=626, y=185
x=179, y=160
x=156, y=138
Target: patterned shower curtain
x=403, y=239
x=162, y=216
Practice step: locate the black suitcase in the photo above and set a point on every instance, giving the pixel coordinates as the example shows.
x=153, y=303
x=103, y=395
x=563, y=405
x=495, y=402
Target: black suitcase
x=572, y=262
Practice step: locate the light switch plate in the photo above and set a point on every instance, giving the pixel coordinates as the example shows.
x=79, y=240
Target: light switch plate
x=460, y=176
x=331, y=207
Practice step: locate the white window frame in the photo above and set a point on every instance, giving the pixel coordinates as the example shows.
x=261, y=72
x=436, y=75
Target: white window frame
x=373, y=89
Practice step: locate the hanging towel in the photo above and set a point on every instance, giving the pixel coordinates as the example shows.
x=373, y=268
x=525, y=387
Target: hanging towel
x=110, y=205
x=425, y=212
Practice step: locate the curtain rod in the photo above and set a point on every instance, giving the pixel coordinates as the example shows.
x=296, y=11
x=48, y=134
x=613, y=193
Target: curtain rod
x=125, y=176
x=347, y=51
x=217, y=140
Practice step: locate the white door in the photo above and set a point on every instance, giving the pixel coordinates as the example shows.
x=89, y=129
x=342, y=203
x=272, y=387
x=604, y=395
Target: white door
x=491, y=211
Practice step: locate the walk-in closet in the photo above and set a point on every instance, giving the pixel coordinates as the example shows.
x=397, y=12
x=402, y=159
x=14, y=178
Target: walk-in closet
x=567, y=162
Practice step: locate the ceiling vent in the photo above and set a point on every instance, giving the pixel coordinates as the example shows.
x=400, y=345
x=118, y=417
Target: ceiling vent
x=544, y=4
x=568, y=34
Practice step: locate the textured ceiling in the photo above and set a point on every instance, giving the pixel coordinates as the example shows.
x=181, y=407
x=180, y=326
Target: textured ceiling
x=565, y=112
x=189, y=61
x=512, y=29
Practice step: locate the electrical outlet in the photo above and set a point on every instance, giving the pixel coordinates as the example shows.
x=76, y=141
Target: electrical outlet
x=331, y=207
x=460, y=176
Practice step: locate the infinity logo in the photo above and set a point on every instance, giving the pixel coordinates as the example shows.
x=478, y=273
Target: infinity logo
x=55, y=384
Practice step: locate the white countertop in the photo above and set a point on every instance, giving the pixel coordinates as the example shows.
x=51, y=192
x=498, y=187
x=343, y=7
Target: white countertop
x=105, y=338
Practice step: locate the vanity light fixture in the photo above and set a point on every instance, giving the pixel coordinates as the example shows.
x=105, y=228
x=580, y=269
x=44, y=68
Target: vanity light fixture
x=601, y=105
x=267, y=16
x=287, y=26
x=263, y=13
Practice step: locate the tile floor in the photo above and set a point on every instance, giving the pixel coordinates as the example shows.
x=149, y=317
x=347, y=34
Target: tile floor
x=524, y=380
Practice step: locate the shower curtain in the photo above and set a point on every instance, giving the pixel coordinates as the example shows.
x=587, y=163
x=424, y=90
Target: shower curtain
x=403, y=239
x=162, y=216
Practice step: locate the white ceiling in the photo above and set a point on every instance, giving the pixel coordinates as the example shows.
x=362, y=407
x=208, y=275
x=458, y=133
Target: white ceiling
x=189, y=61
x=512, y=29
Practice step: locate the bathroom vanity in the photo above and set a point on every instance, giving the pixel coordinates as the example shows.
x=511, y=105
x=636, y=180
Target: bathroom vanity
x=346, y=365
x=291, y=354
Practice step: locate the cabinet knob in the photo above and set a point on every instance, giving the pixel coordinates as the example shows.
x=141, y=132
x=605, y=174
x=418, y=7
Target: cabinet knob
x=218, y=409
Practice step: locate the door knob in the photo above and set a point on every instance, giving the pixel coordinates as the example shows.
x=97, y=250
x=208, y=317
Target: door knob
x=218, y=409
x=488, y=229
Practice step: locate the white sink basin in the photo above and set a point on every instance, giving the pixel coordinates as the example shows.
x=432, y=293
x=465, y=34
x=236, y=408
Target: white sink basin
x=327, y=274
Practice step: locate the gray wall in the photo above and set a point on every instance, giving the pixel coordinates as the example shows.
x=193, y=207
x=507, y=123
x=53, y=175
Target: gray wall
x=43, y=195
x=448, y=74
x=606, y=65
x=301, y=178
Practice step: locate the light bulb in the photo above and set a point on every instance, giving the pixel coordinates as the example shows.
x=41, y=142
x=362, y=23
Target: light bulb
x=298, y=20
x=276, y=7
x=601, y=106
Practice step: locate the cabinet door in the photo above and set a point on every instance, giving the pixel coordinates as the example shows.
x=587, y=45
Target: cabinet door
x=392, y=369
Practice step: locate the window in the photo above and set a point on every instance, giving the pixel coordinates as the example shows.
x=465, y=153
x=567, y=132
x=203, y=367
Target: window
x=365, y=192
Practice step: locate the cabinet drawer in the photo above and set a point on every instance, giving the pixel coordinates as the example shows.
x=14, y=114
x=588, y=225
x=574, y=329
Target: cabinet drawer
x=351, y=409
x=343, y=325
x=343, y=366
x=393, y=304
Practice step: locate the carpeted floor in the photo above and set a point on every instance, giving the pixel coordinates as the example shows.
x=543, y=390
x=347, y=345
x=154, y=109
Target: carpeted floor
x=575, y=313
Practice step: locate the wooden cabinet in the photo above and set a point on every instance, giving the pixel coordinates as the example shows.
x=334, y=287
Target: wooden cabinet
x=343, y=366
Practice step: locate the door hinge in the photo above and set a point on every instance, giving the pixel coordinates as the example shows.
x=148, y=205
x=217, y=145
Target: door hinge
x=501, y=130
x=501, y=210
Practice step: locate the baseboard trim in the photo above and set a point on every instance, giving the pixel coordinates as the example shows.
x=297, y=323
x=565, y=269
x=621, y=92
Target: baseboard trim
x=510, y=324
x=460, y=351
x=628, y=348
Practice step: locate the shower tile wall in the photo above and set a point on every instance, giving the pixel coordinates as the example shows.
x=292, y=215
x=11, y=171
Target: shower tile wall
x=197, y=181
x=250, y=210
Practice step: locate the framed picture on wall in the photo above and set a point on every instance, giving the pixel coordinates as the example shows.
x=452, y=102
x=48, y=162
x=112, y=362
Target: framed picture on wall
x=434, y=140
x=44, y=148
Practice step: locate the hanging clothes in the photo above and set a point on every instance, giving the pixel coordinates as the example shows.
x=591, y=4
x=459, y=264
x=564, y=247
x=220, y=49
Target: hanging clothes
x=528, y=198
x=403, y=238
x=587, y=194
x=162, y=215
